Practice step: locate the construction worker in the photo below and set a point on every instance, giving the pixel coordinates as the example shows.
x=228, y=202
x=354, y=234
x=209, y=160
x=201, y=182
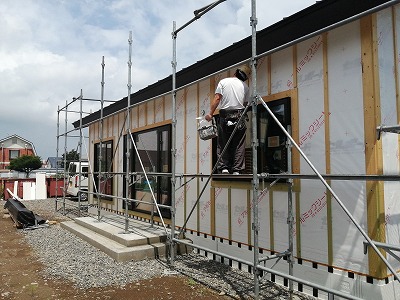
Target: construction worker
x=231, y=95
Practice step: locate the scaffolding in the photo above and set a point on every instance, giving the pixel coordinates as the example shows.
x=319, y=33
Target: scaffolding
x=257, y=265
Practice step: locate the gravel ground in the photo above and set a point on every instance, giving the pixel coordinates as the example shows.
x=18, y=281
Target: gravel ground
x=68, y=257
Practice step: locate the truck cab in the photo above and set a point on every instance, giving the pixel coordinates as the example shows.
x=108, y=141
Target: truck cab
x=78, y=186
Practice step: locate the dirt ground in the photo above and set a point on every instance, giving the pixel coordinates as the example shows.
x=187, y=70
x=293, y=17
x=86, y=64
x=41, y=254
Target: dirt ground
x=21, y=277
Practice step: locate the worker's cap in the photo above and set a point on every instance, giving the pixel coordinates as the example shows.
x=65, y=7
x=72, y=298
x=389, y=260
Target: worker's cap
x=244, y=72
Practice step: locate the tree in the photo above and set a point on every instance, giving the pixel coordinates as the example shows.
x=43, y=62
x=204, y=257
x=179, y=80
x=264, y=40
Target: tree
x=26, y=163
x=72, y=155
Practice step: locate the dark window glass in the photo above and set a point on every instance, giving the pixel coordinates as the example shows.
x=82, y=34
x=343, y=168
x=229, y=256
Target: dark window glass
x=72, y=169
x=272, y=153
x=105, y=186
x=154, y=149
x=14, y=154
x=272, y=156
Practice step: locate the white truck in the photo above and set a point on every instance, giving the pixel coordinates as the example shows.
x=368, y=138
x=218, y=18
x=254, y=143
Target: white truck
x=74, y=182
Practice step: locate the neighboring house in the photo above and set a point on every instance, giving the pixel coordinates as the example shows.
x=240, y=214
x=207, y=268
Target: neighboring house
x=53, y=163
x=331, y=74
x=12, y=147
x=51, y=166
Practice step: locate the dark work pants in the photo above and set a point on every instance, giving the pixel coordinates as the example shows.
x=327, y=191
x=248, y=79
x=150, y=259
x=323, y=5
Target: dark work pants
x=234, y=156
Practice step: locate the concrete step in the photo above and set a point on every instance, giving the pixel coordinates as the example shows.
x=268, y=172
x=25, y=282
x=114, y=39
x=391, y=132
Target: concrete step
x=112, y=227
x=138, y=244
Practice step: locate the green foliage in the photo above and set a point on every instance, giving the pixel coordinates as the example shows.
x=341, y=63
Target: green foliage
x=72, y=155
x=26, y=163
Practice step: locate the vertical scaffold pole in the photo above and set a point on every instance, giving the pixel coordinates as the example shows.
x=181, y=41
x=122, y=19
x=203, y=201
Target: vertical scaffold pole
x=80, y=152
x=173, y=145
x=290, y=229
x=65, y=154
x=100, y=153
x=255, y=225
x=290, y=218
x=128, y=132
x=57, y=153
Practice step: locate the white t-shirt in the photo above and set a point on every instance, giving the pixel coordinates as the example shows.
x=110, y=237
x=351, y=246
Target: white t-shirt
x=234, y=93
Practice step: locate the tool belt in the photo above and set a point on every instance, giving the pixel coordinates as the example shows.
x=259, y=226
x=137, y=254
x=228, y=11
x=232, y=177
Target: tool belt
x=230, y=114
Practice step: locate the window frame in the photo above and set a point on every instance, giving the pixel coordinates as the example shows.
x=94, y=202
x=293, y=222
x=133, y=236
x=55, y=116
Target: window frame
x=107, y=167
x=11, y=157
x=282, y=147
x=286, y=102
x=159, y=188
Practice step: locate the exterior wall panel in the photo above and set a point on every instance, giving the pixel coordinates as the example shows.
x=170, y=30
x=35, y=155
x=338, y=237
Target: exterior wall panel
x=387, y=29
x=348, y=76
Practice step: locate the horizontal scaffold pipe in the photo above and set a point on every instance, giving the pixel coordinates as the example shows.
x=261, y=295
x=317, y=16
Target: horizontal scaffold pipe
x=61, y=200
x=112, y=174
x=261, y=176
x=275, y=256
x=67, y=104
x=127, y=199
x=99, y=100
x=385, y=246
x=77, y=112
x=74, y=136
x=332, y=177
x=288, y=176
x=242, y=261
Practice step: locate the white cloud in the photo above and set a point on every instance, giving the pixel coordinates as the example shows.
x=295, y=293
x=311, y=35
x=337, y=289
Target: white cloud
x=51, y=49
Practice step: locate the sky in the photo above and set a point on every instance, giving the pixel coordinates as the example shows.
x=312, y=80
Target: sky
x=50, y=50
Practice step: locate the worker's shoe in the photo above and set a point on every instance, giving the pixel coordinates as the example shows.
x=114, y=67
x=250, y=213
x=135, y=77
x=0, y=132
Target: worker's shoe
x=236, y=173
x=224, y=171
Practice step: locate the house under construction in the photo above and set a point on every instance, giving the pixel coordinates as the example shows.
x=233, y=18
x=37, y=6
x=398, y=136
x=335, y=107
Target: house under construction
x=322, y=153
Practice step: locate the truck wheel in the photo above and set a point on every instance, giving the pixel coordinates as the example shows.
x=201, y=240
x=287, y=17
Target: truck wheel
x=83, y=196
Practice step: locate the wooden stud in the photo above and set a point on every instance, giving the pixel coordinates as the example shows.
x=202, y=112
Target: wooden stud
x=373, y=148
x=269, y=76
x=294, y=57
x=327, y=145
